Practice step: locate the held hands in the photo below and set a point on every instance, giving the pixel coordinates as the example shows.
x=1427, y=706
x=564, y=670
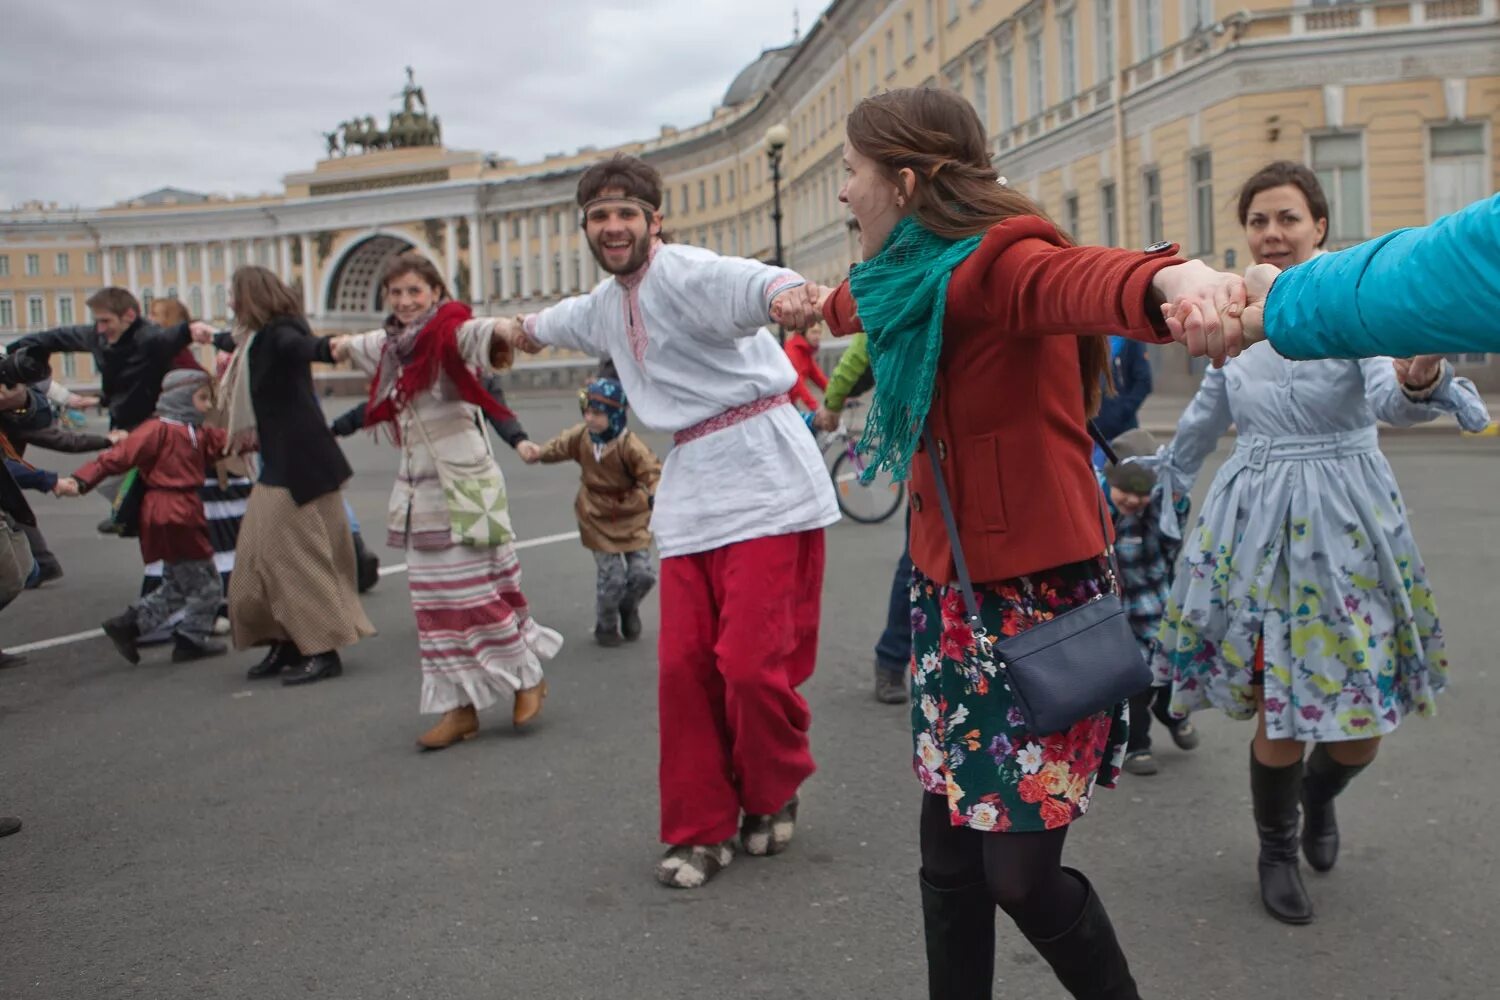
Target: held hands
x=116, y=436
x=1221, y=325
x=66, y=486
x=826, y=420
x=203, y=333
x=339, y=348
x=800, y=307
x=530, y=452
x=77, y=402
x=1419, y=374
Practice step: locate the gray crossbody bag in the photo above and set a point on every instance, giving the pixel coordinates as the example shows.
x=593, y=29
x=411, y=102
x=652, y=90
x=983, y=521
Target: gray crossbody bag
x=1083, y=661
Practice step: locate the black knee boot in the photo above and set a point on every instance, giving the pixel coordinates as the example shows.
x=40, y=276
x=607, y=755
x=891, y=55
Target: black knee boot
x=1324, y=780
x=1275, y=791
x=1087, y=957
x=960, y=930
x=366, y=565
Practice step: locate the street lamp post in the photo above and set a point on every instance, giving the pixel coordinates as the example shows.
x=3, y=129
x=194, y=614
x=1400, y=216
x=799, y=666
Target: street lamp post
x=776, y=140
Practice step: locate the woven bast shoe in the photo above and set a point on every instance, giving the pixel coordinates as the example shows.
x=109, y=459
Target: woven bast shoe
x=691, y=866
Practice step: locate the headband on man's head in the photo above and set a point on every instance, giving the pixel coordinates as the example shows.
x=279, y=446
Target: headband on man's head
x=640, y=203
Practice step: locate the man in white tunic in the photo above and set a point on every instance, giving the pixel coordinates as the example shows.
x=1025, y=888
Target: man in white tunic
x=739, y=517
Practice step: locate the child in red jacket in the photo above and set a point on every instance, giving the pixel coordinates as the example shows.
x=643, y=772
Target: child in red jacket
x=802, y=350
x=172, y=453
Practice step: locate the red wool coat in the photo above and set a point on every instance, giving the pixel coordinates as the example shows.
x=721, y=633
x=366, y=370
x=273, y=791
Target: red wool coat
x=174, y=463
x=804, y=358
x=1007, y=411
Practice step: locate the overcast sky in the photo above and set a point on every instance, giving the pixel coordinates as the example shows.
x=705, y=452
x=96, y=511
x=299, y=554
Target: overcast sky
x=100, y=102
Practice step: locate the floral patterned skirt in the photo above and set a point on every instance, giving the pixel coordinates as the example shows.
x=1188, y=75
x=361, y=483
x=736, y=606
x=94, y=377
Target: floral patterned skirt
x=971, y=743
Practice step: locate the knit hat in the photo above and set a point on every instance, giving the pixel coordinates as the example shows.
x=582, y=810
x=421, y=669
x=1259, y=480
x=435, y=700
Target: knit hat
x=1132, y=477
x=177, y=390
x=606, y=396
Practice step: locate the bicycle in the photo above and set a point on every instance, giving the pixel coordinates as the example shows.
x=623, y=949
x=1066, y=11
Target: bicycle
x=862, y=502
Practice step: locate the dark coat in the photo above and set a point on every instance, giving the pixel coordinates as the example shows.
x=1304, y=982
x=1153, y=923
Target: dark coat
x=1132, y=377
x=130, y=369
x=297, y=450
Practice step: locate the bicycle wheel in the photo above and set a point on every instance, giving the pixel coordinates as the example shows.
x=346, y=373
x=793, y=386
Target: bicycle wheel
x=867, y=503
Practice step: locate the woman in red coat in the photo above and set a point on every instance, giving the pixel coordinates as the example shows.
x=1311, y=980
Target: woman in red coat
x=172, y=452
x=983, y=324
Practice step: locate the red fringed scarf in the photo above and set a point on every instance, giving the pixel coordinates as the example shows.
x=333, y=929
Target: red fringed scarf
x=435, y=349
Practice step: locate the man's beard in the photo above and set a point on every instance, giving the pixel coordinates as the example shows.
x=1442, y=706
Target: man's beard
x=640, y=250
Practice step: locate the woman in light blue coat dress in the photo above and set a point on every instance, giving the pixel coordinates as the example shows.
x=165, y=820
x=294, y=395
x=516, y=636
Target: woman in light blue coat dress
x=1301, y=598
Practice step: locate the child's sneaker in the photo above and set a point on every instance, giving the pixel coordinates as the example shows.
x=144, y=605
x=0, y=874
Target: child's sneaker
x=1140, y=762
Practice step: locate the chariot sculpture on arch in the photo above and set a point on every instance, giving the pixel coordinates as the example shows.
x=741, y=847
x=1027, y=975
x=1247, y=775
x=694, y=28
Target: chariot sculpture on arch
x=409, y=127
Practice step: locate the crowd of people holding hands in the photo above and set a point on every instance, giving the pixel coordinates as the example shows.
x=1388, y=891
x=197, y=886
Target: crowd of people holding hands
x=987, y=339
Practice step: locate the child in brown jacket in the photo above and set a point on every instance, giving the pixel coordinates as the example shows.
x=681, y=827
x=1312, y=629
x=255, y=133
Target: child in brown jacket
x=614, y=504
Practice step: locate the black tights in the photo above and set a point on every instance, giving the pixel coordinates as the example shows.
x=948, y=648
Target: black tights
x=1022, y=870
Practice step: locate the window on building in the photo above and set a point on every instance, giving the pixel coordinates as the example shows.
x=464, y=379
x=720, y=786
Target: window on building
x=240, y=254
x=4, y=265
x=147, y=297
x=687, y=203
x=263, y=254
x=1036, y=81
x=1148, y=28
x=1456, y=175
x=91, y=263
x=1339, y=162
x=7, y=314
x=33, y=265
x=169, y=258
x=929, y=19
x=60, y=264
x=221, y=302
x=1197, y=14
x=36, y=312
x=215, y=257
x=874, y=72
x=171, y=291
x=195, y=301
x=952, y=11
x=1067, y=52
x=1151, y=191
x=515, y=227
x=65, y=310
x=1201, y=176
x=143, y=260
x=732, y=190
x=1007, y=68
x=981, y=95
x=702, y=195
x=911, y=34
x=70, y=363
x=1070, y=215
x=557, y=273
x=518, y=279
x=666, y=202
x=1104, y=34
x=956, y=80
x=718, y=190
x=1109, y=232
x=890, y=52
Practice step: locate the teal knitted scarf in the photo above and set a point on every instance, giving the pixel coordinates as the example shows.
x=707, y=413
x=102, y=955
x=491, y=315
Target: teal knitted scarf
x=901, y=294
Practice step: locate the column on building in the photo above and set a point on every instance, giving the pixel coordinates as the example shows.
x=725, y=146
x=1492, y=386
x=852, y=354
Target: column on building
x=526, y=286
x=476, y=259
x=309, y=303
x=505, y=290
x=450, y=252
x=132, y=272
x=206, y=277
x=182, y=276
x=284, y=254
x=107, y=261
x=156, y=289
x=545, y=281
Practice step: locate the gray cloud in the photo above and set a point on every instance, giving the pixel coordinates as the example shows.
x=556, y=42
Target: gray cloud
x=106, y=101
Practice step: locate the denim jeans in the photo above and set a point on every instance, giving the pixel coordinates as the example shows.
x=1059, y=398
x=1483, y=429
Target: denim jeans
x=893, y=651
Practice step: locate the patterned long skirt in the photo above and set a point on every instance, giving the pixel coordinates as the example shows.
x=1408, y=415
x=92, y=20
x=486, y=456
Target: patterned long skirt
x=474, y=628
x=971, y=743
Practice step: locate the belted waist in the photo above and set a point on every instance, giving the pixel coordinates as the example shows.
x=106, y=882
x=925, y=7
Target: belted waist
x=1254, y=451
x=729, y=418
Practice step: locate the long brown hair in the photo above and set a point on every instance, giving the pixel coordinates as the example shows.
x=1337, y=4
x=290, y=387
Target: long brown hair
x=938, y=136
x=260, y=297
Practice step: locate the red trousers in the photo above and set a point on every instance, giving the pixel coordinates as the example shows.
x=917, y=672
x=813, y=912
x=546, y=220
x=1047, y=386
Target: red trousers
x=739, y=634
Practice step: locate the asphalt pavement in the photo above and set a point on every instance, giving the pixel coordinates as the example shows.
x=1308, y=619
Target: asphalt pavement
x=189, y=834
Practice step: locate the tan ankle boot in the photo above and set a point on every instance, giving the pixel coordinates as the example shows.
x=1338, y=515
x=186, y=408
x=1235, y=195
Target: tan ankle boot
x=529, y=703
x=461, y=723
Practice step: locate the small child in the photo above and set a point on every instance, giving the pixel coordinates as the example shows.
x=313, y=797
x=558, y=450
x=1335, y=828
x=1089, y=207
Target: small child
x=172, y=451
x=802, y=350
x=1147, y=558
x=614, y=504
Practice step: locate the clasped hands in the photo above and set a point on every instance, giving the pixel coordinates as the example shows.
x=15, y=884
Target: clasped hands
x=1214, y=314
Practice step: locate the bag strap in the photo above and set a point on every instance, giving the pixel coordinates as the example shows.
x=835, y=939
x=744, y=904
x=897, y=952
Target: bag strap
x=961, y=564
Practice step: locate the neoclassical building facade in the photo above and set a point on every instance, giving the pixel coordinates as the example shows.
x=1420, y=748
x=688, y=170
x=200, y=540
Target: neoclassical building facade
x=1130, y=121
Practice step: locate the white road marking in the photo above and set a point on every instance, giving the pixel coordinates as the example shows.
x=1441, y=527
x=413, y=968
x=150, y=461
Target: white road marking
x=96, y=633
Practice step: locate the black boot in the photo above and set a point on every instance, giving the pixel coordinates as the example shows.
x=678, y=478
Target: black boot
x=1275, y=791
x=1087, y=957
x=314, y=668
x=186, y=649
x=1324, y=779
x=124, y=633
x=367, y=565
x=630, y=620
x=280, y=656
x=960, y=931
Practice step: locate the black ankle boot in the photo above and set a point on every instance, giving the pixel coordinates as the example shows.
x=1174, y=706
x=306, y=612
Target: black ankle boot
x=124, y=633
x=366, y=563
x=280, y=656
x=630, y=620
x=186, y=649
x=1275, y=791
x=1322, y=782
x=314, y=668
x=960, y=931
x=1087, y=957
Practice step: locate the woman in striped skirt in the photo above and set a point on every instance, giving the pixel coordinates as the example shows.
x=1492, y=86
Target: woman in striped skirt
x=477, y=638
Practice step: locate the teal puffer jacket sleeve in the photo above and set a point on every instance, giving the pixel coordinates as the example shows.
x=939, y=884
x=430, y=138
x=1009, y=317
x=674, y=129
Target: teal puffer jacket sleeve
x=1428, y=290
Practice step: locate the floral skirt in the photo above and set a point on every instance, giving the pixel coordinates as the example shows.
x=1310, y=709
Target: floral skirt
x=971, y=743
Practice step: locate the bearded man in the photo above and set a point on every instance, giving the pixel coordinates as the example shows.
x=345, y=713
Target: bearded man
x=739, y=515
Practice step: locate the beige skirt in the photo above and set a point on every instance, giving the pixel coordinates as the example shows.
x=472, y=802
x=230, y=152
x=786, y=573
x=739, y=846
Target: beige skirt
x=294, y=578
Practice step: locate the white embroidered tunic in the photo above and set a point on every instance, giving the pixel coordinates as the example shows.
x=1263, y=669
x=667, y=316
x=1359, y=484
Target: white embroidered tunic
x=687, y=336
